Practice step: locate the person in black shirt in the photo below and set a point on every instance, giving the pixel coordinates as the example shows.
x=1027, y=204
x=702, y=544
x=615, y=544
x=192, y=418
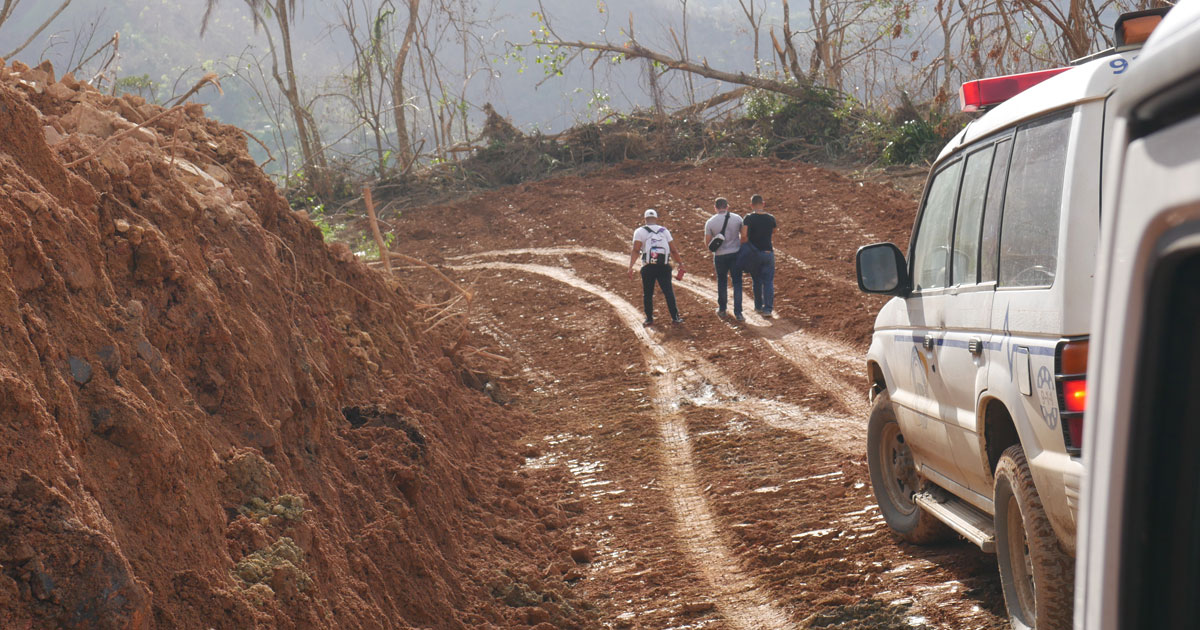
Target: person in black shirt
x=757, y=228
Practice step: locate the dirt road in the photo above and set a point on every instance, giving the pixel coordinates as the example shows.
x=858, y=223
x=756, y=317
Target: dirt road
x=718, y=468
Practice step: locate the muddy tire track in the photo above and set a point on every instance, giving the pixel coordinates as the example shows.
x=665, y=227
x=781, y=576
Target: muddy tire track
x=821, y=360
x=738, y=598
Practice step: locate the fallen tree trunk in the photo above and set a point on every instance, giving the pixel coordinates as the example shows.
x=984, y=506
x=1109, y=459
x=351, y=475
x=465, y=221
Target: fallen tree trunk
x=720, y=99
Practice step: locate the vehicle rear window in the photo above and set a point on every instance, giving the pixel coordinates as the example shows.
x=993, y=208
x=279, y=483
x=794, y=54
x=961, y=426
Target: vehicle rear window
x=1033, y=202
x=931, y=253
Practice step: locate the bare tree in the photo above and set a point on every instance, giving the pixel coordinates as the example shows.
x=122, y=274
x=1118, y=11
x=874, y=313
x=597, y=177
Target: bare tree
x=6, y=11
x=399, y=100
x=280, y=13
x=1078, y=26
x=685, y=51
x=632, y=49
x=368, y=85
x=754, y=15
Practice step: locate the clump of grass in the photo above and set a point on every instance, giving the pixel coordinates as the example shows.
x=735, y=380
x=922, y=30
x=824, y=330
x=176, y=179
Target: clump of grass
x=261, y=566
x=289, y=507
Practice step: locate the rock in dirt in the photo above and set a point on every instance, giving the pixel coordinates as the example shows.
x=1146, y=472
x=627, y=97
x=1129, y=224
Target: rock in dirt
x=81, y=370
x=696, y=607
x=581, y=555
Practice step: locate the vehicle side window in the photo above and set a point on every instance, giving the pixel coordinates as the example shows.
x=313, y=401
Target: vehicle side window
x=989, y=254
x=1033, y=203
x=931, y=252
x=965, y=266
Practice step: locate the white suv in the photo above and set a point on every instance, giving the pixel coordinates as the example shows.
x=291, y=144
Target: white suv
x=977, y=367
x=1139, y=552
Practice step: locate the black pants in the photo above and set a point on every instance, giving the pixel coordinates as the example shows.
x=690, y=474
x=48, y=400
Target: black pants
x=662, y=275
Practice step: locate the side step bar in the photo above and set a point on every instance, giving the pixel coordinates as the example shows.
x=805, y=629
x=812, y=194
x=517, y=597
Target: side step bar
x=963, y=518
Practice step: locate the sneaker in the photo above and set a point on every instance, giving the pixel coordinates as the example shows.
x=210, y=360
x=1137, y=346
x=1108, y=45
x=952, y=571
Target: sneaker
x=768, y=314
x=722, y=314
x=740, y=318
x=649, y=321
x=678, y=319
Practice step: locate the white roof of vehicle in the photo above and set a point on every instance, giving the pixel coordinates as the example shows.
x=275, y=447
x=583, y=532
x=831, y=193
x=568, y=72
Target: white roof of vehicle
x=1091, y=80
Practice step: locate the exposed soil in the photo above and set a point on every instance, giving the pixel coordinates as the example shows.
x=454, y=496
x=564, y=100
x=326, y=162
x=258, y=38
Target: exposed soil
x=215, y=420
x=719, y=467
x=211, y=419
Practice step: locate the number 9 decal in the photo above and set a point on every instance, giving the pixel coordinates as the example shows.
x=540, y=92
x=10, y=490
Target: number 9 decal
x=1119, y=65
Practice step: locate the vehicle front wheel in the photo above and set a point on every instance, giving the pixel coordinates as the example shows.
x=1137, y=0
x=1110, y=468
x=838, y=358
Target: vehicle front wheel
x=1037, y=576
x=895, y=480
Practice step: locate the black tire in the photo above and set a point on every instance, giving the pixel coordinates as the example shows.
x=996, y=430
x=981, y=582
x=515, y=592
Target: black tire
x=1037, y=576
x=895, y=480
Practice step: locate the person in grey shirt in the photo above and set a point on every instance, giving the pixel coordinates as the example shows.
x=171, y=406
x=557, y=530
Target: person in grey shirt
x=726, y=225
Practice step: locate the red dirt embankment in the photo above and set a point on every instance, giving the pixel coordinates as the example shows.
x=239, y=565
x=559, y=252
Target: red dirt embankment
x=212, y=419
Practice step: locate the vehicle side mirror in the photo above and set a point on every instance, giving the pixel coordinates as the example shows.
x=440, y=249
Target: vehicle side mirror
x=882, y=269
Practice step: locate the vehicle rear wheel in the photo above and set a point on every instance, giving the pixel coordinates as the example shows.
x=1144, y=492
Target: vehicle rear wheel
x=895, y=480
x=1037, y=576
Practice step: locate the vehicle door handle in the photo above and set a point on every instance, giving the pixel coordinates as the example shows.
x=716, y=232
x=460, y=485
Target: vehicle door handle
x=928, y=341
x=975, y=346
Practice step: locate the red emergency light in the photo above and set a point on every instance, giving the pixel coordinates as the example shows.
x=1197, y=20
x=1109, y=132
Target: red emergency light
x=983, y=93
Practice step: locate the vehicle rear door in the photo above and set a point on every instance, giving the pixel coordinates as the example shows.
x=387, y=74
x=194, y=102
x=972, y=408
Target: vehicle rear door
x=968, y=308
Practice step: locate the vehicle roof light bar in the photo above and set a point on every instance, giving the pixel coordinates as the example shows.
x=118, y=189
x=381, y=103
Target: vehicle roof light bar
x=984, y=93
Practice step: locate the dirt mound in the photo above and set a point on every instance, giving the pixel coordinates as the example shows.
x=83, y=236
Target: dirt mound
x=212, y=419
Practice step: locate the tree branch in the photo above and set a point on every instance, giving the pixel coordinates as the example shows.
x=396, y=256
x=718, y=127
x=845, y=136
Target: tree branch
x=39, y=30
x=634, y=50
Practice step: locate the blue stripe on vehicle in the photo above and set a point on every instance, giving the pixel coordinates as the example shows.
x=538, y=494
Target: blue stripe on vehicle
x=995, y=346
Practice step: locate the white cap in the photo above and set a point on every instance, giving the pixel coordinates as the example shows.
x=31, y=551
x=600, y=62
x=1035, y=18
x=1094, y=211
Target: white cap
x=650, y=214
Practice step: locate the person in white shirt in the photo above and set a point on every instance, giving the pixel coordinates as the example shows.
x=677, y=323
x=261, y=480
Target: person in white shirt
x=653, y=243
x=727, y=226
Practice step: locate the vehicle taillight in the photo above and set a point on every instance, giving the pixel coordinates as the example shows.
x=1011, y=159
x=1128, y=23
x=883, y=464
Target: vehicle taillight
x=1074, y=395
x=1071, y=377
x=983, y=93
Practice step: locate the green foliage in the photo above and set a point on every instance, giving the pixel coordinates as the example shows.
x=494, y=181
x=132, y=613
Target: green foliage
x=369, y=250
x=328, y=229
x=814, y=124
x=141, y=85
x=911, y=142
x=920, y=139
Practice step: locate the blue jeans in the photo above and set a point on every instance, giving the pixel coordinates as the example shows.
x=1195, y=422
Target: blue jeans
x=724, y=266
x=764, y=283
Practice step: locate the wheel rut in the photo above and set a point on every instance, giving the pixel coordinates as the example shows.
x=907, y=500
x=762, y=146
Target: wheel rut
x=822, y=360
x=739, y=599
